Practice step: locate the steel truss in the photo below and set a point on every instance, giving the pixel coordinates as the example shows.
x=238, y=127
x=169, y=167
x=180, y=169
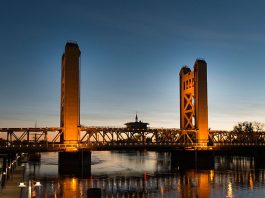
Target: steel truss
x=36, y=135
x=188, y=111
x=99, y=134
x=108, y=135
x=229, y=137
x=102, y=134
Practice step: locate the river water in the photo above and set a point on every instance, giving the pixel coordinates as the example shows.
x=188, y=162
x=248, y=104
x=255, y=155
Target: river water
x=149, y=174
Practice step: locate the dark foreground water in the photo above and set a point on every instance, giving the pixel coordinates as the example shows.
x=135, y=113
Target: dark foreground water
x=148, y=174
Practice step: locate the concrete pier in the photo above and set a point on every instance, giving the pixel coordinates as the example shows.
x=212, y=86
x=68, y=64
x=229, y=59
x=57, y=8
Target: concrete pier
x=4, y=170
x=11, y=188
x=75, y=163
x=11, y=174
x=8, y=164
x=192, y=159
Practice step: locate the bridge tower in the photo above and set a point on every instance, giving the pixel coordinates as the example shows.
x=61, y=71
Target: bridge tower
x=193, y=100
x=72, y=161
x=70, y=94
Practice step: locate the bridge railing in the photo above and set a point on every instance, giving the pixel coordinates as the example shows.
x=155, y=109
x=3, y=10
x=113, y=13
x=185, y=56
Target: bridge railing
x=239, y=144
x=115, y=145
x=90, y=146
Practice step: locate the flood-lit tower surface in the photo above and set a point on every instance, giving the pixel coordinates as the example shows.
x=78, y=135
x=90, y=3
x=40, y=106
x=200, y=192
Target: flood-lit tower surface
x=70, y=93
x=193, y=100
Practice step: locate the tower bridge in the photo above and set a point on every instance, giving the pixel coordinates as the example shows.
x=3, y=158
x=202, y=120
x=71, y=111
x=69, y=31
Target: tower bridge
x=104, y=138
x=71, y=138
x=193, y=113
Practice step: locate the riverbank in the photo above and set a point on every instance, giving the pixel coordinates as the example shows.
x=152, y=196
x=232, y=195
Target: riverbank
x=11, y=188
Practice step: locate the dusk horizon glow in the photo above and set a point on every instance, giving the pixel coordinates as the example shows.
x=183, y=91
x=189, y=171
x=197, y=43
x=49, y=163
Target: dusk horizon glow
x=131, y=55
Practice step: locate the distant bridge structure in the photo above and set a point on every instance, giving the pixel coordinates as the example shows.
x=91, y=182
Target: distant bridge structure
x=193, y=102
x=75, y=142
x=104, y=138
x=193, y=114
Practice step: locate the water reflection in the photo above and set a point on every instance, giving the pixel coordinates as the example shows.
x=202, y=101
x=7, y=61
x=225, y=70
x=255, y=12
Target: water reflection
x=69, y=187
x=149, y=174
x=229, y=190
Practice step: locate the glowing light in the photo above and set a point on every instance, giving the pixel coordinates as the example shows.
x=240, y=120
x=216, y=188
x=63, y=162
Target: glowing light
x=33, y=194
x=22, y=185
x=211, y=175
x=73, y=184
x=37, y=183
x=229, y=190
x=71, y=149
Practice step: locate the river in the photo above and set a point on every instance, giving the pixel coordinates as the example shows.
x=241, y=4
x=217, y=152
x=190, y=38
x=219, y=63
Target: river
x=149, y=174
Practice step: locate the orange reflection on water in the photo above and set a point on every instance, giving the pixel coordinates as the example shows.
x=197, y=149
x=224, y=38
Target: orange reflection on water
x=70, y=188
x=195, y=184
x=203, y=188
x=161, y=190
x=211, y=175
x=251, y=184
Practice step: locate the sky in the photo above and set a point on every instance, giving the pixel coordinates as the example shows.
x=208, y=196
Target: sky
x=131, y=54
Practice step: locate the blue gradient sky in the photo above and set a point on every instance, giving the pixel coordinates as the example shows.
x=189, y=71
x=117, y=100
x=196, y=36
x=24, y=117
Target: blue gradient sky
x=132, y=52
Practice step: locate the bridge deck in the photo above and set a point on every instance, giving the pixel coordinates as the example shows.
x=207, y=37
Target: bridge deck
x=56, y=147
x=108, y=138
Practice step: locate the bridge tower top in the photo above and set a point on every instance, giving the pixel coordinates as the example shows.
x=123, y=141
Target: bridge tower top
x=193, y=100
x=70, y=93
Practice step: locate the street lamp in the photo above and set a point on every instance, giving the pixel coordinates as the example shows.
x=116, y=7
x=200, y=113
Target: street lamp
x=30, y=187
x=22, y=185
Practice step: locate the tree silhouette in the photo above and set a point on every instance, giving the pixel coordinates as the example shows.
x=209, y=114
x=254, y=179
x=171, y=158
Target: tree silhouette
x=248, y=127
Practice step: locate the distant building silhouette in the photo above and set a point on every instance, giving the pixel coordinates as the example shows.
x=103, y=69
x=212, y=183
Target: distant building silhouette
x=137, y=124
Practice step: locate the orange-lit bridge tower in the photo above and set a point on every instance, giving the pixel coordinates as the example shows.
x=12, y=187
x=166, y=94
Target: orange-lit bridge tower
x=193, y=100
x=70, y=94
x=72, y=161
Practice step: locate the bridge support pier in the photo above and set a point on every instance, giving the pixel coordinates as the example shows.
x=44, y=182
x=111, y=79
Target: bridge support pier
x=192, y=159
x=76, y=163
x=5, y=170
x=7, y=167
